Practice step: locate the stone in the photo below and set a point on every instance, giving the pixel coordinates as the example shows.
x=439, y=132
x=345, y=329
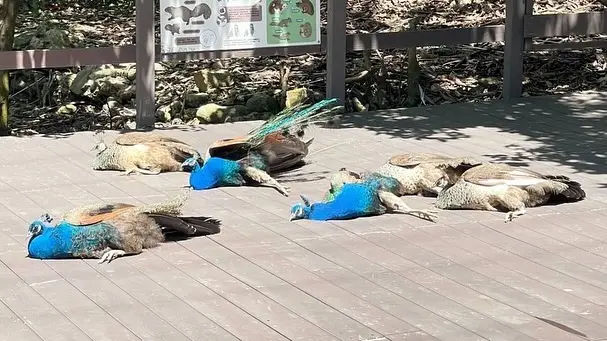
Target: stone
x=215, y=113
x=296, y=97
x=262, y=103
x=195, y=100
x=67, y=109
x=212, y=113
x=208, y=79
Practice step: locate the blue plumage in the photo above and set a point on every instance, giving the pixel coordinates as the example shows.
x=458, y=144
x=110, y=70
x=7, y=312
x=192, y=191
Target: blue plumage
x=216, y=172
x=66, y=240
x=219, y=172
x=110, y=230
x=353, y=197
x=353, y=201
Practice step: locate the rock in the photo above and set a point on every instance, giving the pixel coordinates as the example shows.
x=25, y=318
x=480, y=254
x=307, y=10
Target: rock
x=214, y=113
x=167, y=113
x=208, y=79
x=132, y=125
x=296, y=97
x=127, y=93
x=237, y=110
x=189, y=113
x=163, y=113
x=58, y=39
x=262, y=103
x=109, y=86
x=195, y=100
x=82, y=83
x=67, y=109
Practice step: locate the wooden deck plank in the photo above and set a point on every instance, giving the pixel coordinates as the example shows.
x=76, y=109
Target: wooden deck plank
x=491, y=279
x=452, y=308
x=373, y=317
x=116, y=301
x=304, y=301
x=250, y=299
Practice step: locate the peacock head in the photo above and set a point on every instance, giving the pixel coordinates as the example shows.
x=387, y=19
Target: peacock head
x=191, y=164
x=38, y=226
x=300, y=210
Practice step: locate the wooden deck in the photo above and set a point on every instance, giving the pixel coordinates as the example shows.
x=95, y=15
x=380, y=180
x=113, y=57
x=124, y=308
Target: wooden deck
x=393, y=277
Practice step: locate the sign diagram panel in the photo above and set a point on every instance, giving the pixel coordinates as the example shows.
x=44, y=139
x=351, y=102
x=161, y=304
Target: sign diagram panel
x=205, y=25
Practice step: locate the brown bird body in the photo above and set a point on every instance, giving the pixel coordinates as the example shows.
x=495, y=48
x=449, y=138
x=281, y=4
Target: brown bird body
x=279, y=150
x=419, y=173
x=140, y=227
x=143, y=152
x=500, y=187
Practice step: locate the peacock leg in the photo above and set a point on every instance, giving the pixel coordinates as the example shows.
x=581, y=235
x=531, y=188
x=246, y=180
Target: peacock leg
x=110, y=255
x=397, y=204
x=265, y=179
x=137, y=170
x=513, y=214
x=513, y=204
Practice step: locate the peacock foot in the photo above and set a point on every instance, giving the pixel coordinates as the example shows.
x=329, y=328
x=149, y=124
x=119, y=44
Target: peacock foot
x=513, y=214
x=110, y=255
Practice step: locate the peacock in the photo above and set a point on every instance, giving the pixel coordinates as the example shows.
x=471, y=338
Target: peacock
x=278, y=141
x=357, y=197
x=142, y=153
x=273, y=147
x=110, y=230
x=501, y=187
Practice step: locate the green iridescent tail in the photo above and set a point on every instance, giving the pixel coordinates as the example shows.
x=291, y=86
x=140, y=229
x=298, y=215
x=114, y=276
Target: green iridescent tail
x=295, y=118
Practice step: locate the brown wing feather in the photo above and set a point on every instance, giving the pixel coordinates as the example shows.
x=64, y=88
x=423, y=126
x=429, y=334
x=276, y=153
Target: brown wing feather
x=282, y=152
x=134, y=138
x=413, y=159
x=500, y=174
x=93, y=214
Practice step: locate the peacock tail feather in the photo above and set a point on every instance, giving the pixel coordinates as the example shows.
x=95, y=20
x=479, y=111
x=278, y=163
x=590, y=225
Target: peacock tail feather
x=296, y=117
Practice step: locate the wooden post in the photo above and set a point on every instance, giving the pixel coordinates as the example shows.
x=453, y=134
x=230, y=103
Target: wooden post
x=145, y=58
x=514, y=48
x=528, y=11
x=336, y=49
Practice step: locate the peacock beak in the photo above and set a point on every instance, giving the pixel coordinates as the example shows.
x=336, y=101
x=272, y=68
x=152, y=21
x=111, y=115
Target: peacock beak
x=293, y=216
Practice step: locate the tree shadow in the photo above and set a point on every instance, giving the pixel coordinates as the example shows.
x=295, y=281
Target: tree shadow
x=569, y=130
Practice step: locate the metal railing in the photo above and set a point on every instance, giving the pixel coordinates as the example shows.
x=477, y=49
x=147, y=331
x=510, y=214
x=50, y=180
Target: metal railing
x=521, y=26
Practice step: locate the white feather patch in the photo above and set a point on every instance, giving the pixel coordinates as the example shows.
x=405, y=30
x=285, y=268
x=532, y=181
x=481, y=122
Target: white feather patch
x=510, y=182
x=141, y=147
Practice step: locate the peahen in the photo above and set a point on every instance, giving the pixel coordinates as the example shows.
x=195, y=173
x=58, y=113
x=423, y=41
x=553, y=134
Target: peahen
x=419, y=172
x=494, y=187
x=271, y=148
x=277, y=141
x=108, y=231
x=358, y=197
x=143, y=153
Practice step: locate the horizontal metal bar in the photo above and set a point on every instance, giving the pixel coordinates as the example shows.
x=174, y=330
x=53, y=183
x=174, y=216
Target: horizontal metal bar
x=558, y=25
x=41, y=59
x=570, y=45
x=447, y=36
x=44, y=59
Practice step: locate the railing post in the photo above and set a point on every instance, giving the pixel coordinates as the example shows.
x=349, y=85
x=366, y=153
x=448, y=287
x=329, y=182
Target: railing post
x=145, y=58
x=336, y=49
x=528, y=11
x=514, y=48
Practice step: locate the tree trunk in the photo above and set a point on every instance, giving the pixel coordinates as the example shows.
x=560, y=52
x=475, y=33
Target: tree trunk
x=8, y=16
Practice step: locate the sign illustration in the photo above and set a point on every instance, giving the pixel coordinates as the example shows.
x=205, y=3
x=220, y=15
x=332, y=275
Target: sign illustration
x=202, y=25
